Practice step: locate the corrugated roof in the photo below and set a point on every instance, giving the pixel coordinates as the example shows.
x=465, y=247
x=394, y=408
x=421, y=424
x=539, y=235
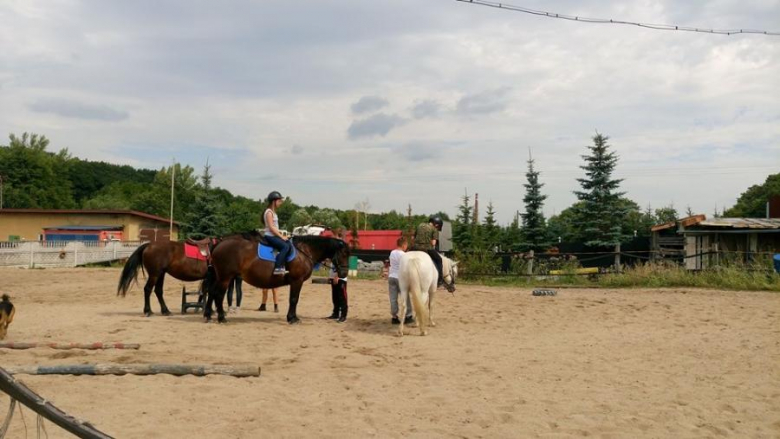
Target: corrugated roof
x=741, y=223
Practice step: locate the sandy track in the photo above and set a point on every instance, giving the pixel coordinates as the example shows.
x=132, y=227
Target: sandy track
x=501, y=363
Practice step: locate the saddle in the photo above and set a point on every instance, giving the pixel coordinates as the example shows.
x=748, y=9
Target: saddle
x=267, y=253
x=199, y=249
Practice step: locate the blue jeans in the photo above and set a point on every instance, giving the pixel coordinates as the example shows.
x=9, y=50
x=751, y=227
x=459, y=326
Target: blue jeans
x=282, y=246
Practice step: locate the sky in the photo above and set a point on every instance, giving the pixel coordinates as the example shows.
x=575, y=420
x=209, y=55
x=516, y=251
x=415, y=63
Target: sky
x=398, y=102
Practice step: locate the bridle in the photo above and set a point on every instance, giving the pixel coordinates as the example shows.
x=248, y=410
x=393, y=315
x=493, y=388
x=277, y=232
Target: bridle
x=335, y=262
x=450, y=286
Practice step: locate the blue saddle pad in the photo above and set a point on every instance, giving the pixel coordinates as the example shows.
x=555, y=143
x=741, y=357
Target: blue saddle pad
x=268, y=253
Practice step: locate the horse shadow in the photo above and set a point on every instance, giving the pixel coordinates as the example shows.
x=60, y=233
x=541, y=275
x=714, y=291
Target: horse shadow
x=374, y=326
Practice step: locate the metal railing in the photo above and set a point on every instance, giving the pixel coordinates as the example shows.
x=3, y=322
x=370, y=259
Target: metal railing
x=63, y=253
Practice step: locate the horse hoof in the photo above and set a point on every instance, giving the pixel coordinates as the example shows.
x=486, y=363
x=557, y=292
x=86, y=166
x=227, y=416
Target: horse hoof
x=148, y=314
x=399, y=333
x=206, y=319
x=424, y=333
x=294, y=320
x=166, y=313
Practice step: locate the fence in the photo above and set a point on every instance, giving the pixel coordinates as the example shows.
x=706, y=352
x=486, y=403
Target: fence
x=63, y=253
x=530, y=264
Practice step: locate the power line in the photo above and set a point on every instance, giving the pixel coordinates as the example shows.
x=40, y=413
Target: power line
x=611, y=21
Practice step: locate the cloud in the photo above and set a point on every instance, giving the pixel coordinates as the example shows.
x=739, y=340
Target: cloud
x=296, y=150
x=418, y=152
x=486, y=102
x=426, y=108
x=377, y=125
x=367, y=104
x=78, y=110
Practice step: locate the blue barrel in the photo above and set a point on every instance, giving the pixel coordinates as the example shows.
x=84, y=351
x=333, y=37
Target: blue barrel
x=777, y=263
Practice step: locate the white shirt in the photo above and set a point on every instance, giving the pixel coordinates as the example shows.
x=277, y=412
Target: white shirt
x=268, y=231
x=395, y=263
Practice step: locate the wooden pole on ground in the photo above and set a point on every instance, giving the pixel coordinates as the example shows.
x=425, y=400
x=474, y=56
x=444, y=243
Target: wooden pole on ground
x=136, y=369
x=92, y=346
x=24, y=395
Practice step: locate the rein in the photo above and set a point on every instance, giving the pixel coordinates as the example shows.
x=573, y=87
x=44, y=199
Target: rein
x=313, y=262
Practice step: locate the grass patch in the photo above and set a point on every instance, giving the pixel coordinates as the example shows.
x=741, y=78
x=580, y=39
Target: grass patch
x=750, y=277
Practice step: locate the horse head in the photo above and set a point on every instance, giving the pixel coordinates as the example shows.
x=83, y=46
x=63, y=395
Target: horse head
x=449, y=273
x=340, y=257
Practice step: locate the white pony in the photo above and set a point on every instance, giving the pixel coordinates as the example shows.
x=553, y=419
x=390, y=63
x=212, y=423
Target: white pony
x=417, y=276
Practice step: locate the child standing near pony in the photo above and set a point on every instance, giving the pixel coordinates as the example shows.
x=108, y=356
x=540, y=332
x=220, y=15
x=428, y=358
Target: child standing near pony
x=393, y=286
x=7, y=311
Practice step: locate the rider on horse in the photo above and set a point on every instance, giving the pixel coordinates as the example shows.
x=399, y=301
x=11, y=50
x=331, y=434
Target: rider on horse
x=272, y=233
x=426, y=239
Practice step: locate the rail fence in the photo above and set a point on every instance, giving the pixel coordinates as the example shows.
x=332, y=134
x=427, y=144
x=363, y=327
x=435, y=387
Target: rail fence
x=63, y=253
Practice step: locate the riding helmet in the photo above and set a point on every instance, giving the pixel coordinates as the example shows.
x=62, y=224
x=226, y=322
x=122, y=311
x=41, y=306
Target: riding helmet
x=275, y=195
x=436, y=221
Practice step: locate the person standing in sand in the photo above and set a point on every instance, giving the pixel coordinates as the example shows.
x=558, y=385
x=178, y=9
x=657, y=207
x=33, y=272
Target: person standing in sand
x=393, y=286
x=265, y=299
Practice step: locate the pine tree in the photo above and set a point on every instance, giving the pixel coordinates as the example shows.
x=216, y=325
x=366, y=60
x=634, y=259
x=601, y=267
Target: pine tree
x=491, y=232
x=513, y=235
x=463, y=230
x=205, y=218
x=534, y=233
x=601, y=214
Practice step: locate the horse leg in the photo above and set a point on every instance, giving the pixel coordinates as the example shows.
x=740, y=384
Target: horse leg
x=431, y=292
x=221, y=288
x=402, y=310
x=295, y=292
x=150, y=282
x=158, y=291
x=207, y=306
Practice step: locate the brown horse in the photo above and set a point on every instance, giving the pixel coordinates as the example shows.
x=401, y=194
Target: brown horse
x=239, y=257
x=159, y=258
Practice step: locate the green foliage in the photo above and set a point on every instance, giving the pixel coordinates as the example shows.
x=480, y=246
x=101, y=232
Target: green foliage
x=752, y=202
x=32, y=177
x=512, y=236
x=462, y=228
x=300, y=217
x=601, y=216
x=327, y=217
x=205, y=218
x=535, y=234
x=490, y=231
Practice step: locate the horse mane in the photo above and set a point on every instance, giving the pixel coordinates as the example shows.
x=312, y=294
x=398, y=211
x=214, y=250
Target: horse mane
x=329, y=244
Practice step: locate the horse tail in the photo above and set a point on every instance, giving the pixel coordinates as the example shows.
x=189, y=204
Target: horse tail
x=130, y=271
x=416, y=291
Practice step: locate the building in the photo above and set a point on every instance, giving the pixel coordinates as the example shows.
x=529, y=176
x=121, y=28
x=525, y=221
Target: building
x=83, y=225
x=708, y=242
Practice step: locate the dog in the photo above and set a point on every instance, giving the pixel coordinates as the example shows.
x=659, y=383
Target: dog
x=7, y=311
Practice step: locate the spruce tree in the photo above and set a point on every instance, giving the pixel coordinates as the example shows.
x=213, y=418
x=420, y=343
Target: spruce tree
x=534, y=233
x=601, y=214
x=513, y=235
x=463, y=230
x=491, y=232
x=205, y=218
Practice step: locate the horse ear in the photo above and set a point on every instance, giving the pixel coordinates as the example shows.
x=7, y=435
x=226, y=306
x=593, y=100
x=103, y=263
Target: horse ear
x=455, y=263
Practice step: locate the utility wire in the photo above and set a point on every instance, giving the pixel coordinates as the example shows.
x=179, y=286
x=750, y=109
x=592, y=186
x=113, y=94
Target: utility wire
x=611, y=21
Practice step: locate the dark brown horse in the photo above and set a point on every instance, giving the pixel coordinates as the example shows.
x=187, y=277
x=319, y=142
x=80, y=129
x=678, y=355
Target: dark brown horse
x=159, y=258
x=239, y=257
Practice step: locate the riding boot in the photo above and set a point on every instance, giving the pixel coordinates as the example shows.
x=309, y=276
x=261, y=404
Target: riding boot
x=262, y=307
x=276, y=307
x=334, y=297
x=343, y=317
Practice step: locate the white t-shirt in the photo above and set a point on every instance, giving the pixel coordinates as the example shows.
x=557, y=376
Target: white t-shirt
x=395, y=262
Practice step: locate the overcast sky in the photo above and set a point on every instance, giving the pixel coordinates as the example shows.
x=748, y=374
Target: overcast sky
x=403, y=101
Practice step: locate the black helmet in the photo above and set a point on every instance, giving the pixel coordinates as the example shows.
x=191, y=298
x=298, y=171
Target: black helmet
x=275, y=195
x=436, y=221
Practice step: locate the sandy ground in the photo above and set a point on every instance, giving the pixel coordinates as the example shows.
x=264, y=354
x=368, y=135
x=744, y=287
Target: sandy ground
x=500, y=363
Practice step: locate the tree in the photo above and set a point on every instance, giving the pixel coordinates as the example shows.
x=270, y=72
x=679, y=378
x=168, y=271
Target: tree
x=241, y=215
x=463, y=230
x=752, y=202
x=327, y=217
x=535, y=234
x=299, y=218
x=205, y=217
x=601, y=215
x=491, y=232
x=513, y=235
x=666, y=215
x=32, y=177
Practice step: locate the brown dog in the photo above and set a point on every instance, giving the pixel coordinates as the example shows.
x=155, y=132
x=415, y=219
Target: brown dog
x=7, y=312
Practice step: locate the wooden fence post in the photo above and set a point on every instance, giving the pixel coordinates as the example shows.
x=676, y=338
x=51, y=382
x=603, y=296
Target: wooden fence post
x=617, y=258
x=530, y=266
